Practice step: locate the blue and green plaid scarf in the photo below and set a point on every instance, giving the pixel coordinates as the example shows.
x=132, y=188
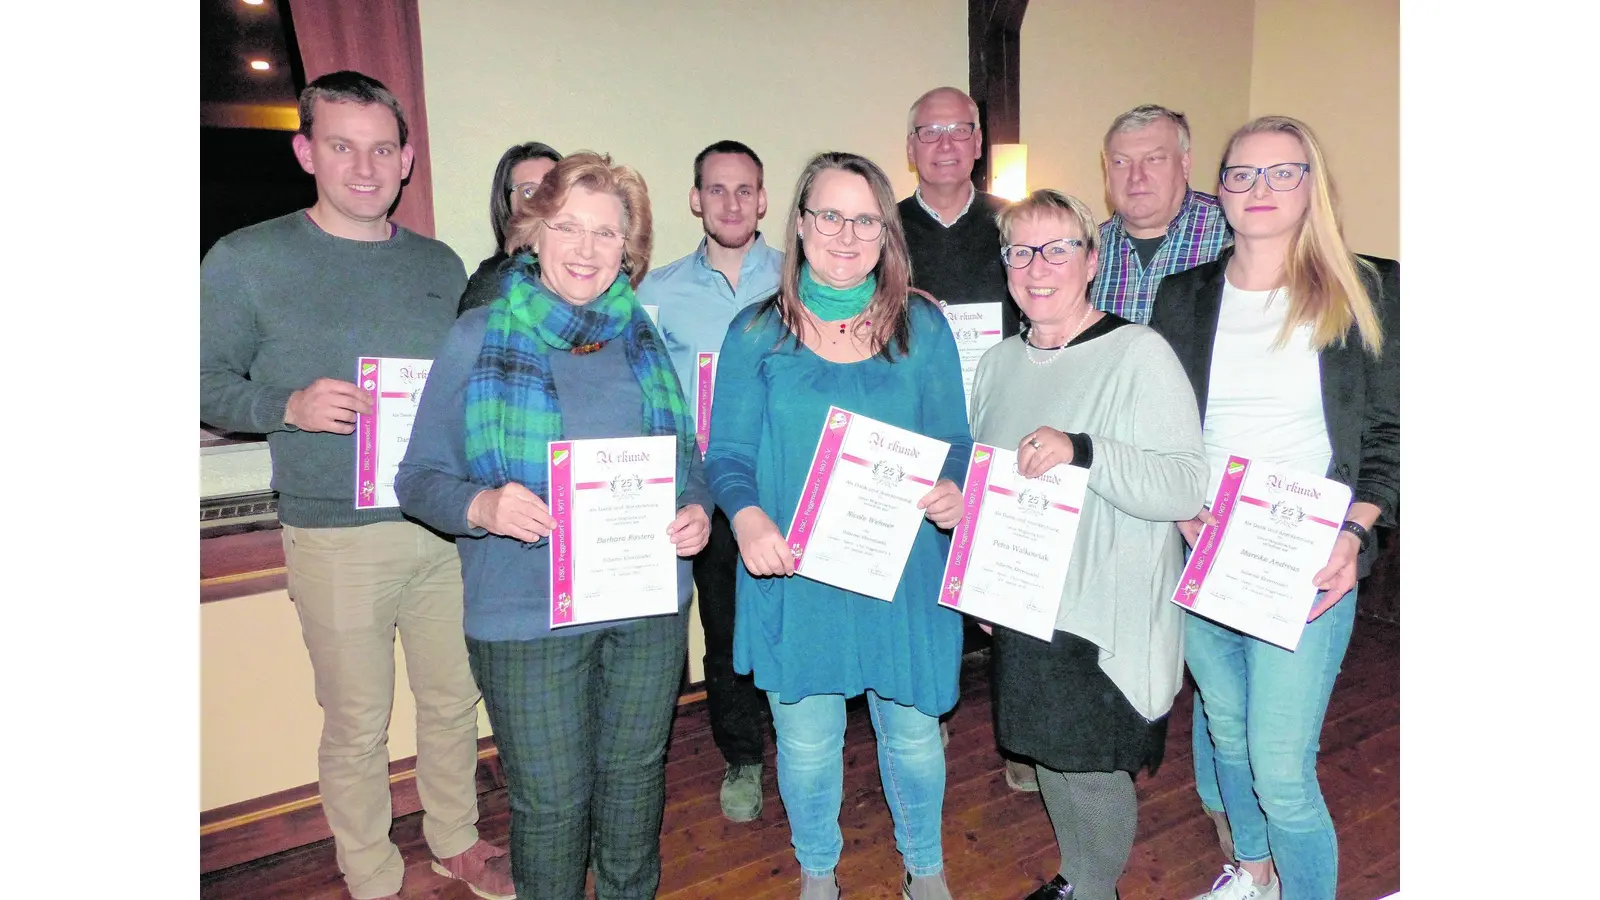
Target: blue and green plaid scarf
x=513, y=412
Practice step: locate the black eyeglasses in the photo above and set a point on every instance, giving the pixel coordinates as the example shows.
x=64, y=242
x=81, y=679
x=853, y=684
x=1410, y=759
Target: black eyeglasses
x=959, y=131
x=1056, y=253
x=526, y=189
x=1280, y=176
x=830, y=222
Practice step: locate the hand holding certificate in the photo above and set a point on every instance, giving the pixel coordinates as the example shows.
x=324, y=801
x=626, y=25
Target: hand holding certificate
x=1253, y=569
x=610, y=557
x=858, y=514
x=394, y=386
x=1009, y=556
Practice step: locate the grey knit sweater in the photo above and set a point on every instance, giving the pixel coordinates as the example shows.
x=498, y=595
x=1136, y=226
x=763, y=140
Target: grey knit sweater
x=284, y=303
x=1127, y=392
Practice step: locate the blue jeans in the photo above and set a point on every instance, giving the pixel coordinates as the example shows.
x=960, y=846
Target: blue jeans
x=1205, y=760
x=1264, y=707
x=811, y=778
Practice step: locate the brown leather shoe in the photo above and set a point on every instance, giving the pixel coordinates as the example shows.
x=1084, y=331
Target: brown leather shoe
x=484, y=867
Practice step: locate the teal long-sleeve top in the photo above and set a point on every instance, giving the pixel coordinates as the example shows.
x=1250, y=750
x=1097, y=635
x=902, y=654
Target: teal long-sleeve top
x=800, y=637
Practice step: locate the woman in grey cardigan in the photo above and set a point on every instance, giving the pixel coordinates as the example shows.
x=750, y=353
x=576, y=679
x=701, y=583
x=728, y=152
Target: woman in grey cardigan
x=1091, y=389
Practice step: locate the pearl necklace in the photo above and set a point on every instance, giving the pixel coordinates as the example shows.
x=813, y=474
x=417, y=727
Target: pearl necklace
x=1055, y=352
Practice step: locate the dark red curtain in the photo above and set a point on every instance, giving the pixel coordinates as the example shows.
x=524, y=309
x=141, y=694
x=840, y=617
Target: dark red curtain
x=381, y=38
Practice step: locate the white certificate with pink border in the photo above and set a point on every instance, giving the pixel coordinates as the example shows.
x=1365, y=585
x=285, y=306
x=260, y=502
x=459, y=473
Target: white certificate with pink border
x=613, y=500
x=705, y=381
x=1253, y=570
x=1009, y=554
x=394, y=386
x=976, y=327
x=858, y=514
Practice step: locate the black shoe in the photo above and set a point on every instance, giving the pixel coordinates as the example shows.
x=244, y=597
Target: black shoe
x=1056, y=888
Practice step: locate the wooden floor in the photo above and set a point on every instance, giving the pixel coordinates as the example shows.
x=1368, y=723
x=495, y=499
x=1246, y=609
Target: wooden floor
x=997, y=842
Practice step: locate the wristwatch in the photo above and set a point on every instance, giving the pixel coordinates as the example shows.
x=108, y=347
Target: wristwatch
x=1367, y=538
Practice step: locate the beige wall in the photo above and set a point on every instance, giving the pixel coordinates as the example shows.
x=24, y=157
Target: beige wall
x=1335, y=64
x=654, y=82
x=1080, y=70
x=258, y=708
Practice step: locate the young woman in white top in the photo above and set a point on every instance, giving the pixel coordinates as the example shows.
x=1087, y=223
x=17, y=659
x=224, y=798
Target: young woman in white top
x=1292, y=344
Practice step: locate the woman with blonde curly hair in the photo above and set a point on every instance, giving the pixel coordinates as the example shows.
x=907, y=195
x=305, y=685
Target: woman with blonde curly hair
x=1292, y=343
x=580, y=717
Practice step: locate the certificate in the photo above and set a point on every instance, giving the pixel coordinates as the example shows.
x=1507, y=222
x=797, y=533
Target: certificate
x=394, y=386
x=858, y=515
x=613, y=500
x=1252, y=570
x=1009, y=555
x=977, y=328
x=705, y=379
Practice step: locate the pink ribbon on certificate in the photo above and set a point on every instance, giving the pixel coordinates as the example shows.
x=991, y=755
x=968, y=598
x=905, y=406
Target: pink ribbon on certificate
x=1007, y=492
x=368, y=374
x=1253, y=501
x=816, y=484
x=561, y=487
x=955, y=567
x=1205, y=549
x=852, y=458
x=705, y=364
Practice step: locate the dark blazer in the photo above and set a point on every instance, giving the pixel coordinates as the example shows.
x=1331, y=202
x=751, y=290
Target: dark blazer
x=483, y=287
x=1360, y=393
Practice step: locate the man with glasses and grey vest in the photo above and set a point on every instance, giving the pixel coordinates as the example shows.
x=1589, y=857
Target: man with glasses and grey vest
x=955, y=249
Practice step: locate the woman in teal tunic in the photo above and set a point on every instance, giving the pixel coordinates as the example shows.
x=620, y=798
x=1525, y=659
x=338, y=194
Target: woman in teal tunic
x=844, y=329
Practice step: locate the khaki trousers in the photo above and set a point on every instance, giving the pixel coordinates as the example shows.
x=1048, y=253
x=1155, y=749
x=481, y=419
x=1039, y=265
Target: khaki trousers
x=354, y=588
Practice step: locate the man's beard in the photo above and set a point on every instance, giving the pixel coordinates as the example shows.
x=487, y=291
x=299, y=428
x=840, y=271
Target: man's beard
x=722, y=240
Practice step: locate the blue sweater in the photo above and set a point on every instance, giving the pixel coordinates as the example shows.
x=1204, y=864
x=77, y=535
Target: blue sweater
x=508, y=582
x=801, y=637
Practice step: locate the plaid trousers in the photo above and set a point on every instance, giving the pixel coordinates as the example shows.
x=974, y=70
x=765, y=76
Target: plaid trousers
x=581, y=724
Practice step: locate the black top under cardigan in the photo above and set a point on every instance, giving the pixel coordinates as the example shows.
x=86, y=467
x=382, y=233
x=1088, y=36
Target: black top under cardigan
x=1360, y=393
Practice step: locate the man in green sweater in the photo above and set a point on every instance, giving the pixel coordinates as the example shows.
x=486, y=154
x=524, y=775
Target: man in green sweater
x=286, y=308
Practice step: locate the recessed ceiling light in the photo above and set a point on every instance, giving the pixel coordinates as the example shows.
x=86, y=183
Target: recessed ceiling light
x=260, y=65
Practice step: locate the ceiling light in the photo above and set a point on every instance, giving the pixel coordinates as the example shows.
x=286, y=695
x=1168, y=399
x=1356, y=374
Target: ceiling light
x=260, y=65
x=254, y=2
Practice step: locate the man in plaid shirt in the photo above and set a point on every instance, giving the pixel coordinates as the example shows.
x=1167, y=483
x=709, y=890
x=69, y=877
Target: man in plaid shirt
x=1159, y=225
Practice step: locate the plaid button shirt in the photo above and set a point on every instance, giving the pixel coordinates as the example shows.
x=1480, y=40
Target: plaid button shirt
x=1128, y=289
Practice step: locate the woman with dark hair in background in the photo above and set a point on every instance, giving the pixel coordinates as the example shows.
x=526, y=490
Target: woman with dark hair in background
x=518, y=173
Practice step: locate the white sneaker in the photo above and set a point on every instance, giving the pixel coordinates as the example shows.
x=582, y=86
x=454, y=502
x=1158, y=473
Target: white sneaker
x=1236, y=884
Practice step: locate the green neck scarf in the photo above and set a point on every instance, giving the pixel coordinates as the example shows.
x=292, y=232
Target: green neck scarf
x=831, y=304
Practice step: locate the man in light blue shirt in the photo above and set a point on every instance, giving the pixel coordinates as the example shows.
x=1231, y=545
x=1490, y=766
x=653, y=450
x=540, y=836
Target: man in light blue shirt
x=696, y=298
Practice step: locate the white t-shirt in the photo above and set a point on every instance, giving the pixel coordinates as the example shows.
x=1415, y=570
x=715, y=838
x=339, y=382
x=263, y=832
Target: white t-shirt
x=1263, y=403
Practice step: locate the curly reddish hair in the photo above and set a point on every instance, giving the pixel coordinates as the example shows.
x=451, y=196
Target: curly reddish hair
x=595, y=172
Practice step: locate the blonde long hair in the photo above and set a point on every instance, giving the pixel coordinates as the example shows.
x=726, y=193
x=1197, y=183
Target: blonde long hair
x=1321, y=275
